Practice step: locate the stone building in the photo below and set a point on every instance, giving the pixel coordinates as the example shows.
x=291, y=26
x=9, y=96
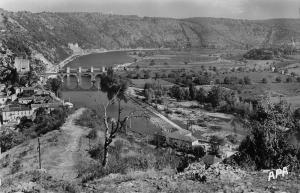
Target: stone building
x=22, y=65
x=14, y=113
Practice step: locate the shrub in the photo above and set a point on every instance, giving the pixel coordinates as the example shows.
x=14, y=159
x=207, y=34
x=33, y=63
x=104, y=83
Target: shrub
x=168, y=111
x=88, y=119
x=247, y=80
x=278, y=79
x=264, y=80
x=266, y=146
x=232, y=139
x=289, y=79
x=16, y=166
x=152, y=63
x=92, y=134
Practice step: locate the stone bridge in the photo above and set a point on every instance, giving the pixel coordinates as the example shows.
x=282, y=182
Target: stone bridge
x=76, y=72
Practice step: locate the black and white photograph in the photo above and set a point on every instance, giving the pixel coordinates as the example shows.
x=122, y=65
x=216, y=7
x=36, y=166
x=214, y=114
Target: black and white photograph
x=150, y=96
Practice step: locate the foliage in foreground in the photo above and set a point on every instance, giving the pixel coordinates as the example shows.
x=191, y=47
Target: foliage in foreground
x=267, y=145
x=28, y=129
x=123, y=159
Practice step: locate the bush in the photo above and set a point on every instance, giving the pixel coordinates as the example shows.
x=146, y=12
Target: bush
x=88, y=119
x=168, y=111
x=289, y=79
x=232, y=139
x=266, y=146
x=247, y=80
x=278, y=79
x=16, y=166
x=264, y=80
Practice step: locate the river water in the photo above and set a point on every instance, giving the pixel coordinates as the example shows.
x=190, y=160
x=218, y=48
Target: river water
x=96, y=99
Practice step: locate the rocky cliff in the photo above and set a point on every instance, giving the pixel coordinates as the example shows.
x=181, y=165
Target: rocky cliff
x=50, y=33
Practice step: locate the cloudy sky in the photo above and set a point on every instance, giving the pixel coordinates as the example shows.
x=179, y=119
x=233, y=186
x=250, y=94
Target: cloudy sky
x=246, y=9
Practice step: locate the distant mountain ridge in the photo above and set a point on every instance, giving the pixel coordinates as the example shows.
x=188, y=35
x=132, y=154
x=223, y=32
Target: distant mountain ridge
x=50, y=33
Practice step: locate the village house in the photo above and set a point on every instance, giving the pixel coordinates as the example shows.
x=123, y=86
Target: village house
x=29, y=91
x=13, y=113
x=176, y=139
x=186, y=141
x=22, y=65
x=182, y=140
x=2, y=87
x=25, y=100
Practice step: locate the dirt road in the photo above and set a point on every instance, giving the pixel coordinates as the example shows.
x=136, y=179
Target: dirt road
x=64, y=161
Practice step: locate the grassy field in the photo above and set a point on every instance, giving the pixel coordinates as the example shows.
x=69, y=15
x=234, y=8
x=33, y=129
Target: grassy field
x=189, y=60
x=256, y=77
x=276, y=91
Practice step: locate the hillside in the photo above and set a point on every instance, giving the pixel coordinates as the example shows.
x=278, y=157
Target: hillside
x=65, y=162
x=50, y=33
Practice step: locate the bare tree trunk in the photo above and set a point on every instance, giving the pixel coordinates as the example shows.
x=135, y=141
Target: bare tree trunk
x=112, y=127
x=105, y=150
x=105, y=154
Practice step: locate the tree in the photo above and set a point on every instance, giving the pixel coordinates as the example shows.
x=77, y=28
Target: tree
x=152, y=63
x=247, y=80
x=266, y=146
x=278, y=79
x=201, y=95
x=215, y=143
x=264, y=80
x=8, y=73
x=215, y=96
x=147, y=75
x=149, y=94
x=293, y=74
x=202, y=80
x=29, y=78
x=289, y=79
x=177, y=92
x=157, y=75
x=116, y=92
x=53, y=84
x=192, y=92
x=217, y=81
x=297, y=114
x=9, y=139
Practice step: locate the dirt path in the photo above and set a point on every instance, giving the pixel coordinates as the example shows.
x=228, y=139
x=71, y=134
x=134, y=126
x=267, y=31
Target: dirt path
x=68, y=157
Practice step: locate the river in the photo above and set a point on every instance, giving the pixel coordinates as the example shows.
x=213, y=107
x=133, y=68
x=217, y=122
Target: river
x=101, y=59
x=96, y=99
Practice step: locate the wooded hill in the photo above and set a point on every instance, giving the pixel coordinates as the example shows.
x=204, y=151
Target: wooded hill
x=50, y=33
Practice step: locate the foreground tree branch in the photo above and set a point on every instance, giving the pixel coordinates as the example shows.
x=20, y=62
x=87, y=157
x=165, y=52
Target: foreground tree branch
x=116, y=92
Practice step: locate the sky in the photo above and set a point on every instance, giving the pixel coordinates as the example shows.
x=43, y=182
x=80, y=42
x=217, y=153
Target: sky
x=238, y=9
